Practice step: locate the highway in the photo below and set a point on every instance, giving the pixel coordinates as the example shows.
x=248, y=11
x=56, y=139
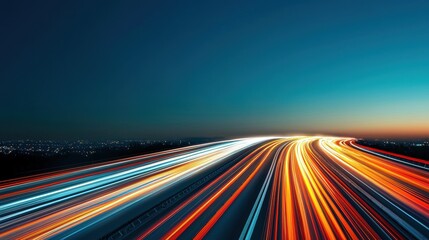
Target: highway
x=297, y=187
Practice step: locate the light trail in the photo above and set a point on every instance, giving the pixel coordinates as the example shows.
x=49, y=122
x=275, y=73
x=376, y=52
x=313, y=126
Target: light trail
x=253, y=188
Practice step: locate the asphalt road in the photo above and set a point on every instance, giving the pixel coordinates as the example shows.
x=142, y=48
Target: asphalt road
x=254, y=188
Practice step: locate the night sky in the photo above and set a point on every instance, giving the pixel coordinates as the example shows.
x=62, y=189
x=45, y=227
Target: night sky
x=157, y=69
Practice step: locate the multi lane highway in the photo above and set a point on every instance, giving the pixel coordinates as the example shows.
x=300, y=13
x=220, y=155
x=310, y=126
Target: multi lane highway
x=253, y=188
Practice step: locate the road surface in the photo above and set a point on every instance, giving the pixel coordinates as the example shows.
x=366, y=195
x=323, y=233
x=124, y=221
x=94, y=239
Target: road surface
x=252, y=188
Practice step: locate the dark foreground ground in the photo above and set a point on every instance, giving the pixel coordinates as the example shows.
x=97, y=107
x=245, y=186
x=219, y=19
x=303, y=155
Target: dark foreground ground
x=418, y=148
x=24, y=161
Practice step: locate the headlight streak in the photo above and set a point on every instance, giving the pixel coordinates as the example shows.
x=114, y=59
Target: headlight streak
x=408, y=161
x=284, y=188
x=91, y=184
x=254, y=214
x=176, y=168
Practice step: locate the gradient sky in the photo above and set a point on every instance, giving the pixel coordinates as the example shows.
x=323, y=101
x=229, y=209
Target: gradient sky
x=144, y=69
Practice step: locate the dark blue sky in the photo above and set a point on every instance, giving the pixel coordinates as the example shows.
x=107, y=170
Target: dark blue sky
x=138, y=69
